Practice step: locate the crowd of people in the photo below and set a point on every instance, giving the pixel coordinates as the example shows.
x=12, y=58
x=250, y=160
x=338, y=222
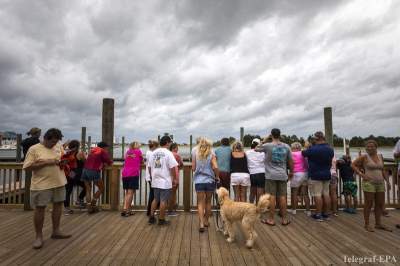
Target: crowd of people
x=268, y=167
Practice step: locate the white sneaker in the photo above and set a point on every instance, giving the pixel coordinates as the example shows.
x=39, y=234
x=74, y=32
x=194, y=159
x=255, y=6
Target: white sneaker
x=308, y=213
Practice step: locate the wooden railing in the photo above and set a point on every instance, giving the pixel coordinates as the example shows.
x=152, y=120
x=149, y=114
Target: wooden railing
x=15, y=183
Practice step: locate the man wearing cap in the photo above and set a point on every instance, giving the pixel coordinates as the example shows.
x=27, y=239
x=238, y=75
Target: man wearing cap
x=163, y=169
x=34, y=134
x=319, y=157
x=278, y=157
x=48, y=183
x=97, y=159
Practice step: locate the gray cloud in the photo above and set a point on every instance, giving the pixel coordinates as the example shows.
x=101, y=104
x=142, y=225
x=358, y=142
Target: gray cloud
x=200, y=67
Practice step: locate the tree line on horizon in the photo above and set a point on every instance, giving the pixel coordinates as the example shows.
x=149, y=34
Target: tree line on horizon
x=355, y=141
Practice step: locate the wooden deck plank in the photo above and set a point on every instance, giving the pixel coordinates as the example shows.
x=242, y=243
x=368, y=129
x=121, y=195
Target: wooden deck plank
x=195, y=258
x=131, y=225
x=108, y=239
x=184, y=254
x=173, y=256
x=215, y=251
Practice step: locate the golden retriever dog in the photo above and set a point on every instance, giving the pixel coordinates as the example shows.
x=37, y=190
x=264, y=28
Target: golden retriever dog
x=245, y=212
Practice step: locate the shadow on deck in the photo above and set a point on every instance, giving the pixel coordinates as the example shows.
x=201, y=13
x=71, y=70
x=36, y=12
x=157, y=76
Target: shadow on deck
x=108, y=239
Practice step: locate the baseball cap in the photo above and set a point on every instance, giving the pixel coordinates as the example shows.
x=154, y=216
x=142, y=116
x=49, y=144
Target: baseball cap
x=33, y=131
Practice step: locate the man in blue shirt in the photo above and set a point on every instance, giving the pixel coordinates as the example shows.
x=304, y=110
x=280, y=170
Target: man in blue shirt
x=223, y=154
x=319, y=157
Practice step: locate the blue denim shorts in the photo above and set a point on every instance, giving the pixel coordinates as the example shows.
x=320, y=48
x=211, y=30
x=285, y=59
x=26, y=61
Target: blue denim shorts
x=205, y=187
x=90, y=175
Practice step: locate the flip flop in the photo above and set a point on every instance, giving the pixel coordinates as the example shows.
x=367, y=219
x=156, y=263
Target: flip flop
x=265, y=221
x=286, y=224
x=384, y=228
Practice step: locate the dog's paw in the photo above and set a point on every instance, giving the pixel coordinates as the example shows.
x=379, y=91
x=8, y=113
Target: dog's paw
x=249, y=243
x=230, y=239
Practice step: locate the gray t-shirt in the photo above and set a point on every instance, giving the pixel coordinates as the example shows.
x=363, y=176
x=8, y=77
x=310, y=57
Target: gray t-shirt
x=276, y=158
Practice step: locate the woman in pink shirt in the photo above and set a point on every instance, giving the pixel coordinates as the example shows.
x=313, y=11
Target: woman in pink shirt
x=298, y=183
x=130, y=176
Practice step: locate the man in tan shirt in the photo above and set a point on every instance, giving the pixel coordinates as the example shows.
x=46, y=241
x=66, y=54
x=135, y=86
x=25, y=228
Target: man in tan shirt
x=48, y=182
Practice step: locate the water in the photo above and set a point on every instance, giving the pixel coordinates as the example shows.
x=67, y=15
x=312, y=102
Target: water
x=184, y=151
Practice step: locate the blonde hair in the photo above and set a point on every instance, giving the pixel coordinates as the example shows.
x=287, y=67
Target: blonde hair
x=237, y=146
x=134, y=145
x=296, y=146
x=204, y=148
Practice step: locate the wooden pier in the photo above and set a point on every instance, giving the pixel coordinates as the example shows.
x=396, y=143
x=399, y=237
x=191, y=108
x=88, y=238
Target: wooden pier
x=107, y=238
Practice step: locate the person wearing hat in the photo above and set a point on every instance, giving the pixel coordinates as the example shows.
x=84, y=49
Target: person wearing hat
x=47, y=183
x=34, y=134
x=255, y=163
x=97, y=159
x=320, y=156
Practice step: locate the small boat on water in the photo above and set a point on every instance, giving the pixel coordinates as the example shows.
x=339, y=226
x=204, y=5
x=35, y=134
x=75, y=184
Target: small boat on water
x=8, y=147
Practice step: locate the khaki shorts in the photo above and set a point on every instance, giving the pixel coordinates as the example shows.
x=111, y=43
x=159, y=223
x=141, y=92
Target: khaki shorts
x=368, y=186
x=276, y=187
x=319, y=187
x=40, y=198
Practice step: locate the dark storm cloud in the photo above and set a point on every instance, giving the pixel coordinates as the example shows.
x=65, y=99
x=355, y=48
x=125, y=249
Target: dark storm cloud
x=200, y=67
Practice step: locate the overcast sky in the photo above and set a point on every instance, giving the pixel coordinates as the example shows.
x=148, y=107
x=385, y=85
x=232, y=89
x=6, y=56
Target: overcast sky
x=200, y=67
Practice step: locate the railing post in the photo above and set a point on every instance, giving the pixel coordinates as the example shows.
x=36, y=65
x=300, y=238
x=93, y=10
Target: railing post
x=114, y=189
x=190, y=147
x=19, y=140
x=328, y=125
x=187, y=183
x=27, y=191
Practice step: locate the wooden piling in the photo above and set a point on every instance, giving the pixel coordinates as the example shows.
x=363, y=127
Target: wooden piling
x=123, y=147
x=241, y=134
x=19, y=140
x=83, y=139
x=89, y=143
x=108, y=124
x=328, y=125
x=190, y=147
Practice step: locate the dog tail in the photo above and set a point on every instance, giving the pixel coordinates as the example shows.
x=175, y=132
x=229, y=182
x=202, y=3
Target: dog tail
x=263, y=203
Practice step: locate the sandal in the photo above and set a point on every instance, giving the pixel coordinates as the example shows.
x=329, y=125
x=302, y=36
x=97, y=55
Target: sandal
x=285, y=224
x=201, y=229
x=384, y=228
x=369, y=229
x=267, y=222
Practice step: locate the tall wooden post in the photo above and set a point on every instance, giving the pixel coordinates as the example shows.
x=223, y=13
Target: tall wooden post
x=108, y=124
x=108, y=137
x=328, y=125
x=159, y=138
x=83, y=139
x=241, y=134
x=19, y=140
x=123, y=147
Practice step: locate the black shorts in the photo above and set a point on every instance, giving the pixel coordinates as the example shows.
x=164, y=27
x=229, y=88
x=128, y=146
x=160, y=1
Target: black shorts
x=131, y=182
x=257, y=180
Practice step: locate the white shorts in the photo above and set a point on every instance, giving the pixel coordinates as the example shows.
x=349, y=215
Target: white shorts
x=298, y=180
x=240, y=179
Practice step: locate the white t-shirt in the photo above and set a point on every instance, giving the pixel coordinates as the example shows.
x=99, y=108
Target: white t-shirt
x=255, y=162
x=161, y=161
x=148, y=155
